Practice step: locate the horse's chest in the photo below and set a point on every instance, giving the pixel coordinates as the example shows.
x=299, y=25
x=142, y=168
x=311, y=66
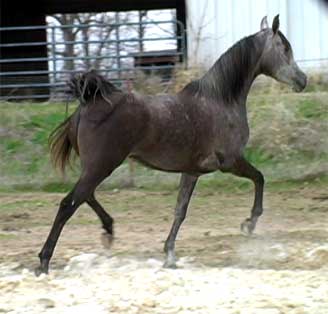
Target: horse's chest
x=233, y=132
x=237, y=136
x=230, y=137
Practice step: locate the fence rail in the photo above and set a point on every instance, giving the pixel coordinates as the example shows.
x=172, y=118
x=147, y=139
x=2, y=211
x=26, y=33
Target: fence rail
x=42, y=72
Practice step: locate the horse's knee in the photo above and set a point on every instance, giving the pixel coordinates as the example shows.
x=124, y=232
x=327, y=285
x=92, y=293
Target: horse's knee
x=67, y=202
x=260, y=179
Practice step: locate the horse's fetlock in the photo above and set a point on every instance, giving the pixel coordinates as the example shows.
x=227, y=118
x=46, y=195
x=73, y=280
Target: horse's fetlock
x=44, y=255
x=108, y=229
x=168, y=246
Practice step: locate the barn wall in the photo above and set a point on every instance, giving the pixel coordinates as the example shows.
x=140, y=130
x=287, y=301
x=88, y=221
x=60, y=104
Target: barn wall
x=214, y=25
x=27, y=15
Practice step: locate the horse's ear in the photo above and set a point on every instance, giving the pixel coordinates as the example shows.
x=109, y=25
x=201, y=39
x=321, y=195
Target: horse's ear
x=275, y=24
x=264, y=23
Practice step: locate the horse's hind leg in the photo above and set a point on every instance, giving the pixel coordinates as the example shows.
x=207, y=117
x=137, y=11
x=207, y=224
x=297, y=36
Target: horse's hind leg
x=187, y=185
x=243, y=168
x=106, y=220
x=81, y=192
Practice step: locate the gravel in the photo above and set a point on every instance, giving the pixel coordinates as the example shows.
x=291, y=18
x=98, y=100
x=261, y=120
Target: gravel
x=93, y=283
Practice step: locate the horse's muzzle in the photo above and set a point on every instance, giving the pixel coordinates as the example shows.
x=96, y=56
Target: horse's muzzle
x=300, y=82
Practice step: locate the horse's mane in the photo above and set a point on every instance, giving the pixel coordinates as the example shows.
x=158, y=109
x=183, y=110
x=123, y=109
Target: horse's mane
x=226, y=77
x=88, y=85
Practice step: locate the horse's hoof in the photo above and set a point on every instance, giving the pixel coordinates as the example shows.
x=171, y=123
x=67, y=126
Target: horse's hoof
x=107, y=240
x=170, y=265
x=247, y=227
x=40, y=270
x=170, y=261
x=109, y=228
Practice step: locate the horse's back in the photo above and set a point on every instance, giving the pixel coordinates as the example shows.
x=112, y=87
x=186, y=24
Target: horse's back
x=160, y=131
x=178, y=133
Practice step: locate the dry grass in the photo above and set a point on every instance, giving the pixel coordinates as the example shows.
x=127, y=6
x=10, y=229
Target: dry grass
x=289, y=124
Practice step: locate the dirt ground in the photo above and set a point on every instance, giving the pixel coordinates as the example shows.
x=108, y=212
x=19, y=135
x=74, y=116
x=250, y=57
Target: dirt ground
x=283, y=268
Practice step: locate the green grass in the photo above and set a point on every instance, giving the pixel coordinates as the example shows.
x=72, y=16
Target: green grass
x=309, y=109
x=7, y=237
x=288, y=143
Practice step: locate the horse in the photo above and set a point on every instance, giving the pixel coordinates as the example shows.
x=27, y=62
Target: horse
x=201, y=129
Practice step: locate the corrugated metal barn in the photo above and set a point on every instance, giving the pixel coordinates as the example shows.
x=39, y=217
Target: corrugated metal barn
x=214, y=25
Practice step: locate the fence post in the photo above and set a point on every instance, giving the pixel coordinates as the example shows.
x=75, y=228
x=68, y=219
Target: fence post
x=54, y=65
x=117, y=34
x=132, y=166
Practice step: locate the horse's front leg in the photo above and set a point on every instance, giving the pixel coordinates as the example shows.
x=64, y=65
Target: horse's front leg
x=187, y=185
x=243, y=168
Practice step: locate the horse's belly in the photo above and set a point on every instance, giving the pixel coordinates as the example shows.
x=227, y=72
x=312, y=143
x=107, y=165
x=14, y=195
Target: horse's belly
x=170, y=149
x=163, y=159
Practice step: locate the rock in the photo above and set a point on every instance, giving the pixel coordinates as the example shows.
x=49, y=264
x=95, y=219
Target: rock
x=260, y=311
x=82, y=262
x=279, y=253
x=46, y=303
x=25, y=272
x=12, y=267
x=149, y=303
x=155, y=263
x=319, y=255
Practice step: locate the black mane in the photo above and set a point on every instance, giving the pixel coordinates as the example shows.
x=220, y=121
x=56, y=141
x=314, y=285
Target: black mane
x=226, y=77
x=284, y=41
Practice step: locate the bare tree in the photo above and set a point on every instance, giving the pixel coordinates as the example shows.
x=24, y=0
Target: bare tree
x=93, y=41
x=69, y=36
x=197, y=29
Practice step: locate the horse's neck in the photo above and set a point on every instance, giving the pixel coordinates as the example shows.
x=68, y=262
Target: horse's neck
x=249, y=79
x=236, y=89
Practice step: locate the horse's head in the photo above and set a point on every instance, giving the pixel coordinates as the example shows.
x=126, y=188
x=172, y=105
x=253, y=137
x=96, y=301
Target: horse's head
x=277, y=59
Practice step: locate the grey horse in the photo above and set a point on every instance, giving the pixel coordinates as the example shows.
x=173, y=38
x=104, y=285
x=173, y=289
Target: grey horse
x=201, y=129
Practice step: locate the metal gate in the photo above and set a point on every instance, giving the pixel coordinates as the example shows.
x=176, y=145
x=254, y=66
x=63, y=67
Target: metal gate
x=119, y=56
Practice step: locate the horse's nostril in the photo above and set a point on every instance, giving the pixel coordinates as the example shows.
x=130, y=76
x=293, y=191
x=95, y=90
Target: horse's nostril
x=301, y=81
x=304, y=81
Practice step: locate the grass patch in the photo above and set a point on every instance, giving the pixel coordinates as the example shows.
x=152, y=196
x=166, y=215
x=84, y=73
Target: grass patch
x=314, y=108
x=4, y=236
x=12, y=146
x=59, y=187
x=257, y=156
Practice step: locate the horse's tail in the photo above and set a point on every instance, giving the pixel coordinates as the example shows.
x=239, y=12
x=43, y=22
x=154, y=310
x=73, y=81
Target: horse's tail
x=61, y=145
x=63, y=141
x=85, y=87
